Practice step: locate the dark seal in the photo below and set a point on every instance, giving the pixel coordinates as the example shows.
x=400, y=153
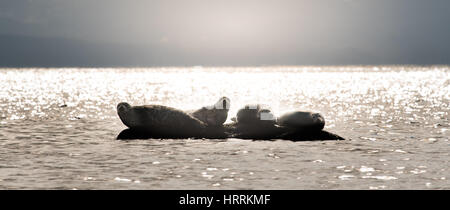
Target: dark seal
x=252, y=122
x=157, y=120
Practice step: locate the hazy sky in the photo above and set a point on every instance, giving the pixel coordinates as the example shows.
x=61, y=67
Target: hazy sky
x=223, y=32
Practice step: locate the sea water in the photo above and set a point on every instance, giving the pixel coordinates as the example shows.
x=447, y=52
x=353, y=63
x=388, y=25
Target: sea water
x=58, y=128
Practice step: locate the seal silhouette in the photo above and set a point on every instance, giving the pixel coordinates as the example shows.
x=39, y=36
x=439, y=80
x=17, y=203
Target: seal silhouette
x=254, y=122
x=302, y=120
x=254, y=114
x=214, y=115
x=159, y=120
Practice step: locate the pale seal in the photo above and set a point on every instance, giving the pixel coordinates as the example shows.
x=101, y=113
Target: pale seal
x=160, y=120
x=214, y=115
x=302, y=120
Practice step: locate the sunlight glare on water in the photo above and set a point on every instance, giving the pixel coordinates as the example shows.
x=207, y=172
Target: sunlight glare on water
x=58, y=128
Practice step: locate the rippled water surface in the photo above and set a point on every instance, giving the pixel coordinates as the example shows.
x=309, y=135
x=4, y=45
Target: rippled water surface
x=58, y=129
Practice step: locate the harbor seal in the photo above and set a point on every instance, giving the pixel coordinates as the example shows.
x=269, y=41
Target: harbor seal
x=214, y=115
x=255, y=114
x=302, y=120
x=254, y=121
x=159, y=120
x=257, y=122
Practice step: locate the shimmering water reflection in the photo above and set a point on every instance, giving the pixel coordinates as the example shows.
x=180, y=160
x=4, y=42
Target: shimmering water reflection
x=58, y=129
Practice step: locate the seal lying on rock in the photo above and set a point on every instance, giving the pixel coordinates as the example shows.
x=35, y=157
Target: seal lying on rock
x=214, y=115
x=302, y=120
x=160, y=120
x=254, y=114
x=255, y=122
x=157, y=121
x=252, y=122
